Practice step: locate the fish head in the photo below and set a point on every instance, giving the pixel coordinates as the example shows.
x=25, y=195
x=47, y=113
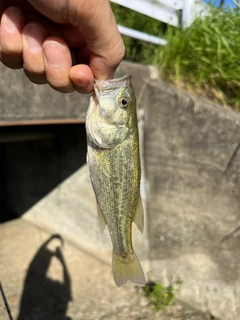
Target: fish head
x=116, y=100
x=112, y=112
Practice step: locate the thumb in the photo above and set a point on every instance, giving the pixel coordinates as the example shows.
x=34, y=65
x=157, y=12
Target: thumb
x=96, y=22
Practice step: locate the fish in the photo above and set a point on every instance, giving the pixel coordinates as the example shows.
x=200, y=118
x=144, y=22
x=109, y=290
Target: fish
x=114, y=165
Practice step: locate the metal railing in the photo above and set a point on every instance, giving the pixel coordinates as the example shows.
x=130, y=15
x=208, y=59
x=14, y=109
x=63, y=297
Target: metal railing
x=178, y=13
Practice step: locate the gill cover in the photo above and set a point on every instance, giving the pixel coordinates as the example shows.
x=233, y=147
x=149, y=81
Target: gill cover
x=109, y=112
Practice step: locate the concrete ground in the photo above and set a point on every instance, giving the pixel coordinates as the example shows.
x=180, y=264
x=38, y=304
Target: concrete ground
x=46, y=278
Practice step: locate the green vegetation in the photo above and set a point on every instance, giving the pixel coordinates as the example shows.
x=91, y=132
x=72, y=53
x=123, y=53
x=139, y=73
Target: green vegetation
x=204, y=58
x=138, y=51
x=159, y=295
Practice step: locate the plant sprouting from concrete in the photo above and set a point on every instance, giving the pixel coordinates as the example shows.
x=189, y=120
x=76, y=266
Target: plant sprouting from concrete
x=161, y=296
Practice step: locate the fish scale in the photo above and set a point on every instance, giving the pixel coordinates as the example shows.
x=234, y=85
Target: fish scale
x=113, y=158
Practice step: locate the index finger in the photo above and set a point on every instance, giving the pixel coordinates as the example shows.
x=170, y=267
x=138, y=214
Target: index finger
x=96, y=22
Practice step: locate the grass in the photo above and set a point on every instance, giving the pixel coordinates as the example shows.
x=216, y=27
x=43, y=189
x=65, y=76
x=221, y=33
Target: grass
x=138, y=51
x=204, y=58
x=160, y=296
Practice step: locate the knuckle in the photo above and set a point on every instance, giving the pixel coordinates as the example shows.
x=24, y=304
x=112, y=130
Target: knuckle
x=36, y=78
x=67, y=89
x=60, y=86
x=117, y=53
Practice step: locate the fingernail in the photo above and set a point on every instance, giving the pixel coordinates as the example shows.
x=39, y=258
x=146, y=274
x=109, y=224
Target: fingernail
x=34, y=37
x=54, y=54
x=12, y=19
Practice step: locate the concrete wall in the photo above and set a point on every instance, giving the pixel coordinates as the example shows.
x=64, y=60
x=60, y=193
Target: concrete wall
x=192, y=167
x=190, y=155
x=23, y=101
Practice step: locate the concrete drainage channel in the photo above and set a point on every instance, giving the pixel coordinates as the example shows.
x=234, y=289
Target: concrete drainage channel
x=190, y=157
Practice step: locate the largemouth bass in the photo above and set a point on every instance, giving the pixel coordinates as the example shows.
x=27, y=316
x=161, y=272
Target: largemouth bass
x=114, y=163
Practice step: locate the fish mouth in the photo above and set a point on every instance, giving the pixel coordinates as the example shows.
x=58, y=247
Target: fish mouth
x=112, y=84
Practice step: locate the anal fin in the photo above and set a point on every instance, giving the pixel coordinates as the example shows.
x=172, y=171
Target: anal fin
x=101, y=219
x=139, y=216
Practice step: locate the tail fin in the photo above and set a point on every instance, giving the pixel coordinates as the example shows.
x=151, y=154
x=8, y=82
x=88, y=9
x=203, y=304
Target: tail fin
x=123, y=272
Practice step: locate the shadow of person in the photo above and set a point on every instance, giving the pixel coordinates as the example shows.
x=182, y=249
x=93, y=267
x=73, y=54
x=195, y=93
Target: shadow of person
x=44, y=298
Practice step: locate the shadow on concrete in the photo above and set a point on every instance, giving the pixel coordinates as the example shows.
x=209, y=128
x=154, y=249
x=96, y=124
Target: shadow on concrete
x=44, y=298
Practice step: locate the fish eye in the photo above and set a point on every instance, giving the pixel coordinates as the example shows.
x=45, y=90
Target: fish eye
x=124, y=102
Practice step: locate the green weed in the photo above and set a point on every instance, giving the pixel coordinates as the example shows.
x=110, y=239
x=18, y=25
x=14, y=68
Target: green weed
x=138, y=51
x=161, y=296
x=203, y=58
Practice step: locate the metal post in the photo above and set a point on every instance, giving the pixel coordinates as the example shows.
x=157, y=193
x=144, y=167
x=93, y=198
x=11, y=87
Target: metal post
x=188, y=12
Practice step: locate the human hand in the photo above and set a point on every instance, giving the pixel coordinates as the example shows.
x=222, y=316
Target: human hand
x=65, y=43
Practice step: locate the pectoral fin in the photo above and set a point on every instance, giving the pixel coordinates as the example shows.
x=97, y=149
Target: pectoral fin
x=139, y=216
x=101, y=220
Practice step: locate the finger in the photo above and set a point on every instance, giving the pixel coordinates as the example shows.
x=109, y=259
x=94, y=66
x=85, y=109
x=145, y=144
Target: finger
x=96, y=23
x=4, y=4
x=33, y=38
x=105, y=42
x=82, y=78
x=104, y=64
x=12, y=23
x=57, y=61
